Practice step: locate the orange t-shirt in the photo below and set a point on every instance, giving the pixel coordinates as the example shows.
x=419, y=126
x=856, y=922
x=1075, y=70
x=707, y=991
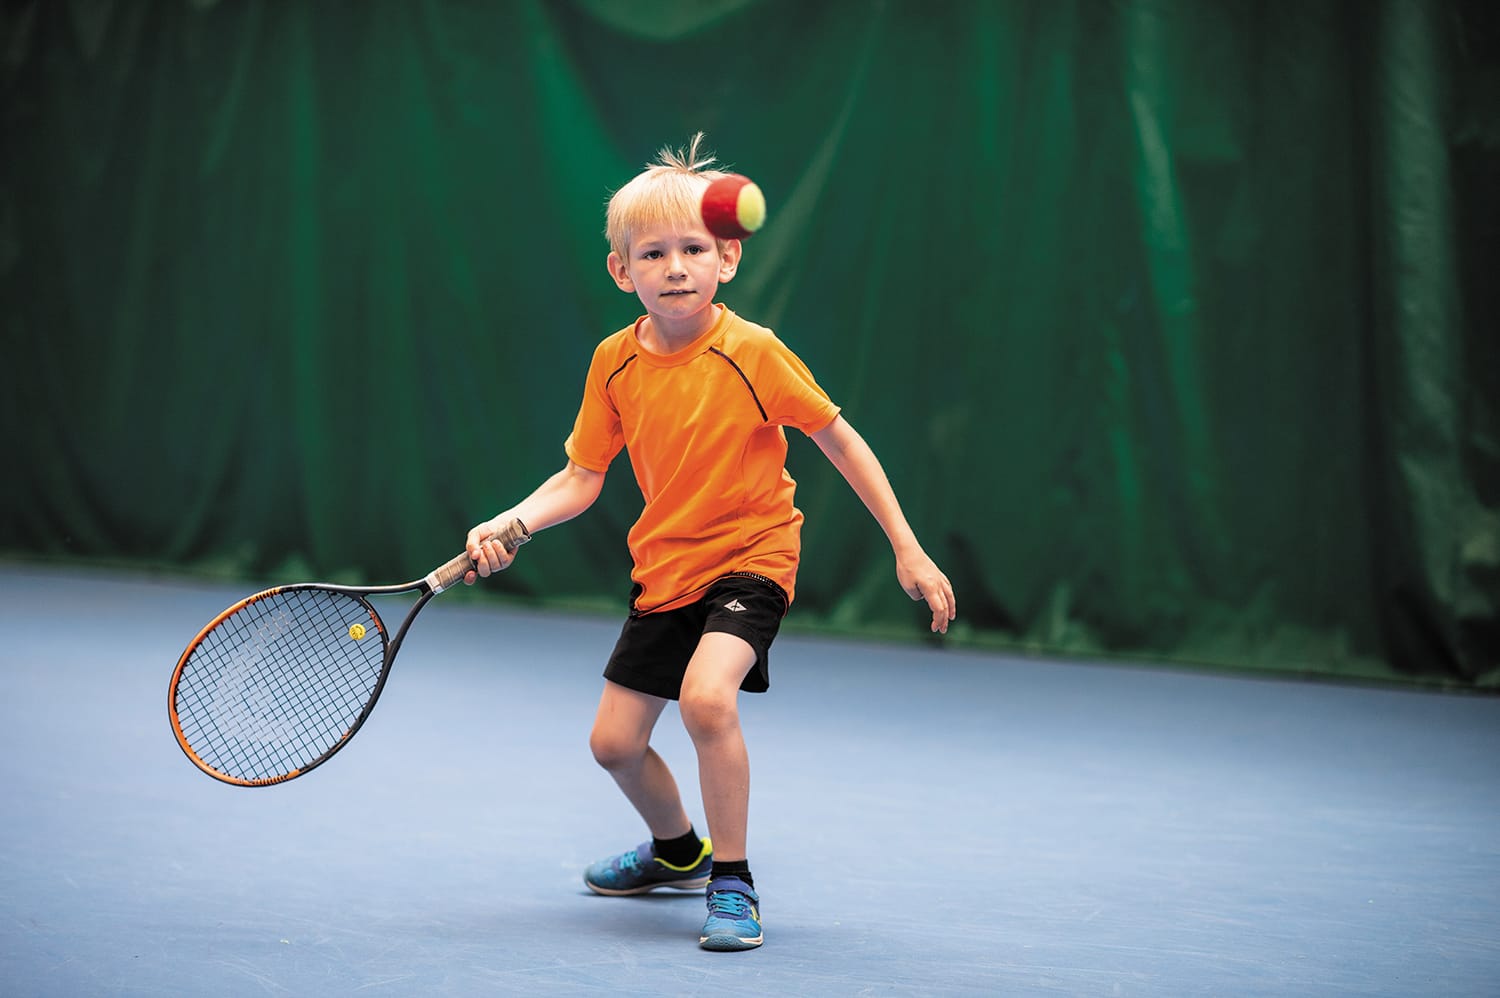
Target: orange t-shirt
x=703, y=427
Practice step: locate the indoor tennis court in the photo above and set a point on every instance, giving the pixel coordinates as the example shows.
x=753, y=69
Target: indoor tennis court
x=925, y=822
x=1171, y=323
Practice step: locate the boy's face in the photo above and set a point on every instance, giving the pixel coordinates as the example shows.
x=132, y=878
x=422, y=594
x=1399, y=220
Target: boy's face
x=676, y=271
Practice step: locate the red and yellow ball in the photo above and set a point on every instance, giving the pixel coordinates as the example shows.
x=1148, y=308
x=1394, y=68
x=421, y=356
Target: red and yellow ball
x=733, y=207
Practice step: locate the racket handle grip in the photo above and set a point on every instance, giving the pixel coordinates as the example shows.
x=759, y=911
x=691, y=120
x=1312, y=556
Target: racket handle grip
x=513, y=536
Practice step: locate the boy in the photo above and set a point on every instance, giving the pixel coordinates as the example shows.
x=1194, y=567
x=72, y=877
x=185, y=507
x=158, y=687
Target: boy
x=698, y=397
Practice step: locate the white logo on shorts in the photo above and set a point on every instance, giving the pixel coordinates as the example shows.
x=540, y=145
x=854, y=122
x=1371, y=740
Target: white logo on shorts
x=734, y=605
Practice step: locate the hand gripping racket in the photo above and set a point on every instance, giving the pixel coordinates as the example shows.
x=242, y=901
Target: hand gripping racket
x=280, y=681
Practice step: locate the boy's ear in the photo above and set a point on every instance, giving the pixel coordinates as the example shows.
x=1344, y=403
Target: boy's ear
x=729, y=260
x=620, y=273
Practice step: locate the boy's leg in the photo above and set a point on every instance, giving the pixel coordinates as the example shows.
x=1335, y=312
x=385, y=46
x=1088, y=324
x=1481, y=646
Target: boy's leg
x=710, y=711
x=621, y=743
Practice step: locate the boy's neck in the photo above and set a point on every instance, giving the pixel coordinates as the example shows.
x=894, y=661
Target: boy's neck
x=656, y=336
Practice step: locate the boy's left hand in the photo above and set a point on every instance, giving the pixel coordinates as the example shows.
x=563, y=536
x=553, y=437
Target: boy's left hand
x=921, y=579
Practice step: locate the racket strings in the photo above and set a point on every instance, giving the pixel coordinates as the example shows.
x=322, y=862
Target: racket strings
x=279, y=683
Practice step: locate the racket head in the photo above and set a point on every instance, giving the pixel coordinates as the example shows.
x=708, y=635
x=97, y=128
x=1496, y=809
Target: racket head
x=277, y=683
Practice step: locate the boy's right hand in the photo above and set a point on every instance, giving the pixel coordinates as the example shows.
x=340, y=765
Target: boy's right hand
x=486, y=551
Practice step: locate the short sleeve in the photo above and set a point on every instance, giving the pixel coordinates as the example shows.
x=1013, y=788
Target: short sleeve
x=793, y=396
x=597, y=436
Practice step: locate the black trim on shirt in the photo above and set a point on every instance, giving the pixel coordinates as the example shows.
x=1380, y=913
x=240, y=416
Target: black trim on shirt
x=619, y=369
x=763, y=417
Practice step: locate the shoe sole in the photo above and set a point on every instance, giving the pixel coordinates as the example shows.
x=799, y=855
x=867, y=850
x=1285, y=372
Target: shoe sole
x=696, y=884
x=725, y=942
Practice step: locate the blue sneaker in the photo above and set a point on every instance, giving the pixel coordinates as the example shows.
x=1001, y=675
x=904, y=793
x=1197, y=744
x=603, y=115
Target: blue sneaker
x=641, y=870
x=733, y=916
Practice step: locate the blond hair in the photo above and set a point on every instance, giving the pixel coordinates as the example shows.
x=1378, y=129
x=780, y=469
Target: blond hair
x=668, y=191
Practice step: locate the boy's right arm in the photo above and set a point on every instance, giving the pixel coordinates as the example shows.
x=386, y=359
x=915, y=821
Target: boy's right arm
x=561, y=497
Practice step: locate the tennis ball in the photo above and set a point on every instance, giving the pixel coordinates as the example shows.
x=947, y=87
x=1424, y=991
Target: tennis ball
x=356, y=631
x=733, y=207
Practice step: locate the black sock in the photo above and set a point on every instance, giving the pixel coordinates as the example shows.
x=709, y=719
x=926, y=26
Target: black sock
x=681, y=851
x=732, y=868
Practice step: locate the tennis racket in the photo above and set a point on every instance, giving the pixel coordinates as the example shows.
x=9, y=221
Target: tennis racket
x=280, y=681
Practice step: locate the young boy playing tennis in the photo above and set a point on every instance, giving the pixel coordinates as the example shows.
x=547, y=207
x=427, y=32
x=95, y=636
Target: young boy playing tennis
x=698, y=397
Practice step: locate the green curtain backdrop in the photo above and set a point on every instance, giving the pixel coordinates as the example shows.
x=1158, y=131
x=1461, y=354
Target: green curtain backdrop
x=1174, y=322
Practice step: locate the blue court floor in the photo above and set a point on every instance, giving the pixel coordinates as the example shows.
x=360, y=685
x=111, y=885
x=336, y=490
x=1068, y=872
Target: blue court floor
x=924, y=822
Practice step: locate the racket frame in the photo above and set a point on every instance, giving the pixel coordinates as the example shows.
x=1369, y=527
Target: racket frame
x=439, y=579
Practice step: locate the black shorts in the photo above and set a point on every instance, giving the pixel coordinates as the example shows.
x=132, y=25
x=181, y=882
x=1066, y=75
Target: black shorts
x=654, y=648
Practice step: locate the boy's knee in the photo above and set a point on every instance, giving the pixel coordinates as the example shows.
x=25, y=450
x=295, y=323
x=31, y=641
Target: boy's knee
x=613, y=752
x=706, y=714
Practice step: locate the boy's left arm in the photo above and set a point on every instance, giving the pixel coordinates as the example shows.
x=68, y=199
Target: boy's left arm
x=920, y=578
